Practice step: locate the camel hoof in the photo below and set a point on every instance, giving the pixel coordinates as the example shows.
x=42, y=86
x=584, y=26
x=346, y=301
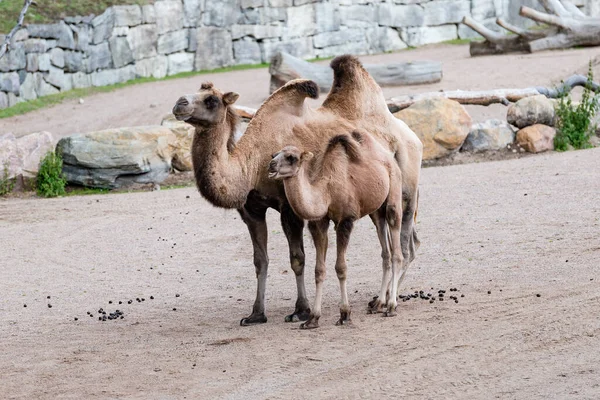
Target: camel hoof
x=390, y=313
x=298, y=316
x=312, y=323
x=343, y=322
x=376, y=307
x=254, y=319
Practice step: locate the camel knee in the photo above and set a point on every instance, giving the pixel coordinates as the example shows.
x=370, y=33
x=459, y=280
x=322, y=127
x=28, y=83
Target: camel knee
x=392, y=215
x=261, y=262
x=319, y=275
x=297, y=262
x=340, y=270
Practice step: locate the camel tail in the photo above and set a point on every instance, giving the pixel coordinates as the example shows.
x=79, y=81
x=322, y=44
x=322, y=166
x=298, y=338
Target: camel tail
x=349, y=145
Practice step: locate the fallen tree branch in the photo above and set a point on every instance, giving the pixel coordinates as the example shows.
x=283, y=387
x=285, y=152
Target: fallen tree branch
x=285, y=67
x=6, y=45
x=568, y=27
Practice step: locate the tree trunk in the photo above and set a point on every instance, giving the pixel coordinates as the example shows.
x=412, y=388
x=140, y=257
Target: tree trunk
x=285, y=67
x=568, y=27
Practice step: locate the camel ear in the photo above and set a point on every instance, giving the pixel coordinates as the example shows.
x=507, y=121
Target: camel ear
x=306, y=156
x=230, y=98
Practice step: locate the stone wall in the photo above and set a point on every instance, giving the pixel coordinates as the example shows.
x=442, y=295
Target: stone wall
x=174, y=36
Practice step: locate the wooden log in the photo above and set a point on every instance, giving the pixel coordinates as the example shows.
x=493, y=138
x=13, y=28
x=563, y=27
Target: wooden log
x=285, y=67
x=569, y=27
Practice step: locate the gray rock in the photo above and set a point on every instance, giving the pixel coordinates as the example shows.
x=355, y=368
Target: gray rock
x=13, y=60
x=359, y=15
x=83, y=36
x=252, y=16
x=400, y=15
x=60, y=31
x=268, y=15
x=27, y=90
x=307, y=26
x=116, y=158
x=120, y=50
x=530, y=111
x=492, y=134
x=173, y=42
x=192, y=12
x=57, y=57
x=483, y=9
x=382, y=39
x=81, y=80
x=180, y=62
x=130, y=15
x=13, y=100
x=346, y=48
x=57, y=78
x=148, y=14
x=73, y=61
x=42, y=87
x=142, y=41
x=301, y=47
x=120, y=31
x=246, y=51
x=252, y=3
x=327, y=39
x=192, y=43
x=103, y=25
x=9, y=82
x=105, y=77
x=38, y=45
x=127, y=73
x=327, y=17
x=281, y=3
x=155, y=67
x=20, y=35
x=99, y=57
x=214, y=48
x=222, y=13
x=169, y=15
x=73, y=20
x=44, y=62
x=32, y=62
x=3, y=105
x=32, y=148
x=446, y=12
x=419, y=36
x=256, y=31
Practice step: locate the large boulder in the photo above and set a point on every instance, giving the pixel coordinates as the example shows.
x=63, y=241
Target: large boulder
x=536, y=138
x=441, y=124
x=492, y=134
x=182, y=149
x=530, y=111
x=22, y=155
x=120, y=157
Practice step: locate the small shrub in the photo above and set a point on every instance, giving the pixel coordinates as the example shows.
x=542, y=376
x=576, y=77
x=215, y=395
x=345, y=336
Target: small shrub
x=50, y=179
x=574, y=123
x=6, y=184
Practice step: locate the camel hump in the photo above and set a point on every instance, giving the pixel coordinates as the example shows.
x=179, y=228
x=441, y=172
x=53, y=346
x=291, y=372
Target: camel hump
x=349, y=144
x=300, y=87
x=345, y=65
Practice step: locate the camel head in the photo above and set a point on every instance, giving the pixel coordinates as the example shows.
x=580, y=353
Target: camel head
x=207, y=107
x=287, y=162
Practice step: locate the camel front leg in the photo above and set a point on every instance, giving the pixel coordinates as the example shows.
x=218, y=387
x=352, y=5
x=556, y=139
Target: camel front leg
x=378, y=304
x=293, y=227
x=318, y=230
x=257, y=226
x=343, y=232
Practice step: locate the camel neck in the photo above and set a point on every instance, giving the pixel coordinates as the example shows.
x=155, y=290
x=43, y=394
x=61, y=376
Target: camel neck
x=221, y=174
x=309, y=200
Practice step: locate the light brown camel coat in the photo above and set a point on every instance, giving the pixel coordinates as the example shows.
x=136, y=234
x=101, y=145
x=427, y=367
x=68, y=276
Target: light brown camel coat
x=234, y=175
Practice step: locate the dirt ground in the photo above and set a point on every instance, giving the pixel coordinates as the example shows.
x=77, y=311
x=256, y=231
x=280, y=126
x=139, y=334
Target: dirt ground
x=146, y=104
x=501, y=232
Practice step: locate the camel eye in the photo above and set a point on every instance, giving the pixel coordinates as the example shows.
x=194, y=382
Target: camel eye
x=211, y=102
x=291, y=159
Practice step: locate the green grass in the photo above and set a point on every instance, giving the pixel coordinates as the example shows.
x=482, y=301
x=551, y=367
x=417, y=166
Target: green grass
x=460, y=41
x=48, y=11
x=47, y=101
x=84, y=191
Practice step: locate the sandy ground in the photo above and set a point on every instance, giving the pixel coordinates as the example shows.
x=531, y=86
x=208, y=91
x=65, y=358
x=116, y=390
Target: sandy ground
x=514, y=228
x=146, y=104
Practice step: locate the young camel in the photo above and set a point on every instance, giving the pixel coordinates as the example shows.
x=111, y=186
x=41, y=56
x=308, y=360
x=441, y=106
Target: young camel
x=355, y=176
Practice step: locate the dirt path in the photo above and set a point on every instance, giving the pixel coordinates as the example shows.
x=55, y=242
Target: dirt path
x=146, y=104
x=515, y=228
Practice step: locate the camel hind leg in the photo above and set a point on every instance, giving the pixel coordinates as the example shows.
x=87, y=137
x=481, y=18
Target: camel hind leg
x=393, y=216
x=408, y=238
x=378, y=304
